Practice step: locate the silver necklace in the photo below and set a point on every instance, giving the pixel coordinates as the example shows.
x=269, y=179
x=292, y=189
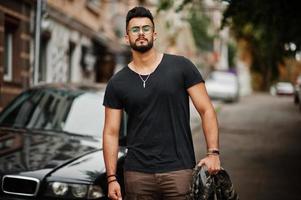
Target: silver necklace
x=144, y=81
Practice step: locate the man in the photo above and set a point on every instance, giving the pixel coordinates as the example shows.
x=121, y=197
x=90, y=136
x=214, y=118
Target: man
x=154, y=91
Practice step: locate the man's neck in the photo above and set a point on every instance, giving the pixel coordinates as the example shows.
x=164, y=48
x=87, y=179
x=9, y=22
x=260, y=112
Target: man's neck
x=144, y=62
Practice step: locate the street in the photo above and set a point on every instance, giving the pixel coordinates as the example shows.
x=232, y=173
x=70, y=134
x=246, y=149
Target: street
x=260, y=146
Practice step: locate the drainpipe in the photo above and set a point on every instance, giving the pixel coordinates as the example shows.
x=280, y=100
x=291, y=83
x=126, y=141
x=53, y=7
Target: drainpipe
x=37, y=42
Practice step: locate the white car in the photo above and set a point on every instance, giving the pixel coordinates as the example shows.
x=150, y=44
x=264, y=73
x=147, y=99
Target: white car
x=284, y=88
x=222, y=85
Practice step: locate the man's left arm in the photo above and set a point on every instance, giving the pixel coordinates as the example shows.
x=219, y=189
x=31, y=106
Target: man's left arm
x=202, y=103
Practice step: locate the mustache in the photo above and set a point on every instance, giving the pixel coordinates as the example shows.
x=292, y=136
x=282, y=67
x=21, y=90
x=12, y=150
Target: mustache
x=141, y=38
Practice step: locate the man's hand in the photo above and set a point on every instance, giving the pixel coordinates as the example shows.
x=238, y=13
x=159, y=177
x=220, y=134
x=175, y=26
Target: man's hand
x=114, y=191
x=212, y=162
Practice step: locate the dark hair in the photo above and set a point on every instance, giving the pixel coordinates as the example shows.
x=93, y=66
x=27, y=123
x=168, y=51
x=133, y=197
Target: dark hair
x=139, y=11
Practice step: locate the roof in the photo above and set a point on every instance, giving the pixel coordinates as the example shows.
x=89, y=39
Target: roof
x=72, y=86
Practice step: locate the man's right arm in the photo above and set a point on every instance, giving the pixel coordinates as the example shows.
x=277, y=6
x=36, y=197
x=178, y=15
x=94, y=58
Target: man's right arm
x=110, y=148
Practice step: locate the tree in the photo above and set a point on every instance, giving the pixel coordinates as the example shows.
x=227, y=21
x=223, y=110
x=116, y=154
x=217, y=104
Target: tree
x=198, y=21
x=269, y=26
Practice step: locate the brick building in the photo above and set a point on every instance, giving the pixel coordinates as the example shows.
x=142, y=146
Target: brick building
x=77, y=44
x=15, y=39
x=81, y=41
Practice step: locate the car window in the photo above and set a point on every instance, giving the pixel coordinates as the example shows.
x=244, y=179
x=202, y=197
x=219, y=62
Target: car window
x=86, y=115
x=57, y=110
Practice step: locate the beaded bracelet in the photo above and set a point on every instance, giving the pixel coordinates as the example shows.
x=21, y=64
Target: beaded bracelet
x=112, y=175
x=112, y=181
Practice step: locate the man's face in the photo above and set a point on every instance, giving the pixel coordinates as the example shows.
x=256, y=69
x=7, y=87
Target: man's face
x=140, y=34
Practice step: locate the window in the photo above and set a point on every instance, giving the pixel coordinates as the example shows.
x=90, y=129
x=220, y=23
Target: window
x=43, y=56
x=11, y=26
x=70, y=56
x=8, y=54
x=76, y=112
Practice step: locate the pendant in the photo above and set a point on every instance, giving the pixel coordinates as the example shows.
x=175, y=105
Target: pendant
x=143, y=84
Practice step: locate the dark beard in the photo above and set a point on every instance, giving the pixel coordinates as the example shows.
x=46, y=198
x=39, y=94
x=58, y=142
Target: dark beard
x=142, y=49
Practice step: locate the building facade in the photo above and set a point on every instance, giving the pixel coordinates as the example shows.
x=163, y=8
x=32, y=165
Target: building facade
x=15, y=42
x=77, y=44
x=80, y=41
x=74, y=44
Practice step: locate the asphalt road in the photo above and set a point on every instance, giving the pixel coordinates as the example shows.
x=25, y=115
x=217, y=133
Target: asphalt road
x=260, y=139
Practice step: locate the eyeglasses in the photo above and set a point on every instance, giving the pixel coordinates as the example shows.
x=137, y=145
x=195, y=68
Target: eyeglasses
x=146, y=29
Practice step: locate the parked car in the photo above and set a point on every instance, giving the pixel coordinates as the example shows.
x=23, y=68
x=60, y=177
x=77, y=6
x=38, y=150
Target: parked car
x=223, y=85
x=284, y=88
x=51, y=144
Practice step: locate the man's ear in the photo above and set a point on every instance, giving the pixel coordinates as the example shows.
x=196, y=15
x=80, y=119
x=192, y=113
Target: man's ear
x=127, y=39
x=155, y=35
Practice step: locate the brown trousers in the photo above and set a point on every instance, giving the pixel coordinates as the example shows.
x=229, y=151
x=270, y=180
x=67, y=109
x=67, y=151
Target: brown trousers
x=174, y=185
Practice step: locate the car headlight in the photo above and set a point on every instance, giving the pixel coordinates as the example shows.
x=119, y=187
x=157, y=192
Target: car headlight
x=95, y=192
x=59, y=189
x=74, y=191
x=79, y=191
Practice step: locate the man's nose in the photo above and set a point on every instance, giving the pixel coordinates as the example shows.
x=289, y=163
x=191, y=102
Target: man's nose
x=141, y=31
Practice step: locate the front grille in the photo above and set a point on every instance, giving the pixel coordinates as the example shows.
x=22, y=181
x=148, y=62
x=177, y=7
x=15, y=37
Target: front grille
x=20, y=185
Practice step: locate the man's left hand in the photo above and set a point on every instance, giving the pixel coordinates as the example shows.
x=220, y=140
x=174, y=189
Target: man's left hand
x=212, y=162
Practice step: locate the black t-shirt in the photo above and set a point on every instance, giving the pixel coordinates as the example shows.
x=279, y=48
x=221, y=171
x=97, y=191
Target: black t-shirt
x=158, y=129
